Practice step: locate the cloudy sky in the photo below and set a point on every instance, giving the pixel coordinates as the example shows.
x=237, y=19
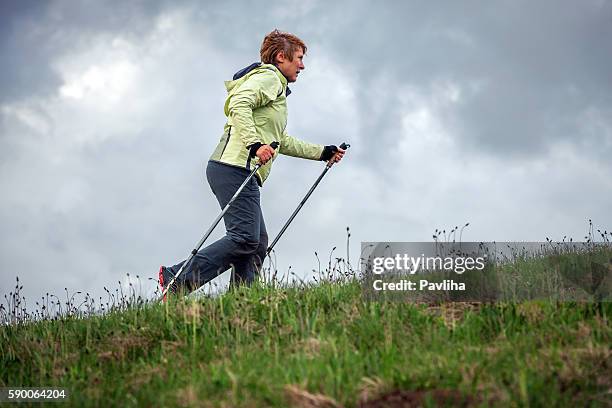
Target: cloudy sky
x=496, y=113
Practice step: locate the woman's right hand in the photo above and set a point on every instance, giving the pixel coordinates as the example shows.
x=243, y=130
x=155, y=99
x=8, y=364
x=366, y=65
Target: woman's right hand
x=264, y=153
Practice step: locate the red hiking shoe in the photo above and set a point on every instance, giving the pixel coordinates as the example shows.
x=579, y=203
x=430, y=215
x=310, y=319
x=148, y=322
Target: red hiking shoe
x=163, y=278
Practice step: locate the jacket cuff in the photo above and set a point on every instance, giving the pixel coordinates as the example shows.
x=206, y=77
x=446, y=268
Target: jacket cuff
x=253, y=148
x=328, y=152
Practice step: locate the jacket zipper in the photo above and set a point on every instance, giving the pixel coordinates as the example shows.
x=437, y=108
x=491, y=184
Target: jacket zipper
x=226, y=142
x=248, y=163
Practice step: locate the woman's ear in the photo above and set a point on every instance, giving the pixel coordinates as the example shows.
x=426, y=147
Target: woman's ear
x=280, y=57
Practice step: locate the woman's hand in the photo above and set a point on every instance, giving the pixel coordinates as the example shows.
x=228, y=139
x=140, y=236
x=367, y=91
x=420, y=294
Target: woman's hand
x=338, y=155
x=264, y=153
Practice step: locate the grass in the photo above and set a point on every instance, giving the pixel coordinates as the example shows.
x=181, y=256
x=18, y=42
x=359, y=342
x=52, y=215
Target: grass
x=320, y=345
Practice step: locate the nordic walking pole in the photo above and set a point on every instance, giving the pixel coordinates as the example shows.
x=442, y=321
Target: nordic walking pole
x=273, y=145
x=330, y=163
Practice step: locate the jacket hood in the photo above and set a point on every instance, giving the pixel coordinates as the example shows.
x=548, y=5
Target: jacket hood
x=229, y=85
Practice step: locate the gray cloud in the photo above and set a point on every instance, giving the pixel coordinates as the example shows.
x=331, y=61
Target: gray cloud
x=498, y=114
x=527, y=72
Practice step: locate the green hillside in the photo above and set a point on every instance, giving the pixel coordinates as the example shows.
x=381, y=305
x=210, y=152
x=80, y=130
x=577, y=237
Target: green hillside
x=317, y=346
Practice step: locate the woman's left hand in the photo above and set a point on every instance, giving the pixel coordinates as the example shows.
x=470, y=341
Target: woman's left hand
x=338, y=155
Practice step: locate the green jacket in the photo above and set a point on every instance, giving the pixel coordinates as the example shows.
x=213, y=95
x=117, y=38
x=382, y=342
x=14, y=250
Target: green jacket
x=256, y=110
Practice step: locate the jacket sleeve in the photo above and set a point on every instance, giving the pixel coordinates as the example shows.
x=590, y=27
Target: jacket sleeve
x=291, y=146
x=258, y=90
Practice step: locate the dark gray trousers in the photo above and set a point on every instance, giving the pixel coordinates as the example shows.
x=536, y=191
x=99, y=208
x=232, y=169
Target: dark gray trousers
x=246, y=240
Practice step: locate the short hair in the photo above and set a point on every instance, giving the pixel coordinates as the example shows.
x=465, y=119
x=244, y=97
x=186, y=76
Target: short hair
x=278, y=41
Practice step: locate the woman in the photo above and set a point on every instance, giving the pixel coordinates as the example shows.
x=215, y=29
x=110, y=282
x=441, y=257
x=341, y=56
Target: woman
x=256, y=110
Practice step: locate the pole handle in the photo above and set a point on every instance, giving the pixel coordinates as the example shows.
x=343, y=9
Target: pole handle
x=343, y=146
x=274, y=145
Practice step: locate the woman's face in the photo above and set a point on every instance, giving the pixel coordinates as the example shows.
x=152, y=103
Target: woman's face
x=290, y=69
